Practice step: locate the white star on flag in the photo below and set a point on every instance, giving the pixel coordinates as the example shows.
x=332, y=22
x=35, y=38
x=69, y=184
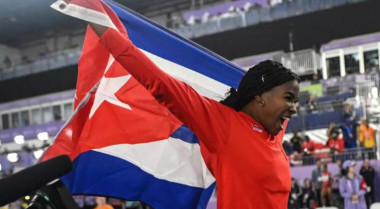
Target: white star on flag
x=107, y=89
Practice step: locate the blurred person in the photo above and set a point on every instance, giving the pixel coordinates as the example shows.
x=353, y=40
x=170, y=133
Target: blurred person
x=116, y=203
x=308, y=194
x=296, y=140
x=101, y=203
x=331, y=126
x=295, y=195
x=315, y=79
x=7, y=62
x=348, y=134
x=368, y=173
x=79, y=199
x=352, y=187
x=308, y=144
x=348, y=113
x=367, y=138
x=252, y=119
x=310, y=104
x=338, y=201
x=317, y=181
x=288, y=147
x=336, y=144
x=326, y=193
x=89, y=202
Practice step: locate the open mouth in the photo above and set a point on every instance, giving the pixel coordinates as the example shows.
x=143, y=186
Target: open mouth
x=283, y=119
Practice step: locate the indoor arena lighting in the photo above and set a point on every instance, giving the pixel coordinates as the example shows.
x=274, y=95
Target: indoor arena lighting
x=37, y=154
x=19, y=139
x=43, y=136
x=12, y=157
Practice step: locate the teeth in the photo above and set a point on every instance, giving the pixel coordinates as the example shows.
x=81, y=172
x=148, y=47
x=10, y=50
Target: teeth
x=286, y=118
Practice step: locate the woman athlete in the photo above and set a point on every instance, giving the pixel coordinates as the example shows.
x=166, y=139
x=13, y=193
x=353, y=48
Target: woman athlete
x=242, y=134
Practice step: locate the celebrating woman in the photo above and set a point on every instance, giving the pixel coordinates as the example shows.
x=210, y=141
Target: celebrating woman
x=243, y=133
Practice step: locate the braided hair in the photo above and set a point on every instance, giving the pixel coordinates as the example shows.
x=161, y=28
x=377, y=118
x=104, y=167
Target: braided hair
x=259, y=79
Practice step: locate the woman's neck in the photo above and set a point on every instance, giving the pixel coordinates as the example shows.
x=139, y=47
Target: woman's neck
x=351, y=175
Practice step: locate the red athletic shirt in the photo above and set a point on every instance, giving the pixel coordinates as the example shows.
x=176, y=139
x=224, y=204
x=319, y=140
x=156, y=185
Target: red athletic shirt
x=250, y=166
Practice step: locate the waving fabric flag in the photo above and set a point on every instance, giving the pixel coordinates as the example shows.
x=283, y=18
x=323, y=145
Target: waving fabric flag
x=122, y=141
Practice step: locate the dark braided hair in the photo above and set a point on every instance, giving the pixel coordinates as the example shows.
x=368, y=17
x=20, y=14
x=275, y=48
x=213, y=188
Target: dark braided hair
x=259, y=79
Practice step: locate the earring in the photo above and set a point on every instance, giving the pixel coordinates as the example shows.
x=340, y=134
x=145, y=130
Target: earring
x=261, y=103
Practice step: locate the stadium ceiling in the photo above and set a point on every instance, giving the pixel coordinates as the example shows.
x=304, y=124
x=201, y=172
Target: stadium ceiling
x=25, y=21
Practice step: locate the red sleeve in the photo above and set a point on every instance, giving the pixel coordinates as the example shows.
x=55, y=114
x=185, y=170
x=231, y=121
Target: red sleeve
x=208, y=119
x=340, y=144
x=329, y=143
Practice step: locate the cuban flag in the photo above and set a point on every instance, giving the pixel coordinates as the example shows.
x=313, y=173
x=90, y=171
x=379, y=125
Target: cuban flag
x=123, y=143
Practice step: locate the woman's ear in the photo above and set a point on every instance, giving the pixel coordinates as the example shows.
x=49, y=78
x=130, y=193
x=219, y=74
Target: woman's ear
x=258, y=98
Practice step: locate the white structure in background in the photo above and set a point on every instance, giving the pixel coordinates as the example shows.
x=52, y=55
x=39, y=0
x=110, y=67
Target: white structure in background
x=359, y=54
x=303, y=62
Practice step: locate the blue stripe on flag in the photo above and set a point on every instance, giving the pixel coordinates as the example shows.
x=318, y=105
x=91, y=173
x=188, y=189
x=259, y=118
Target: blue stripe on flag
x=162, y=42
x=97, y=173
x=183, y=133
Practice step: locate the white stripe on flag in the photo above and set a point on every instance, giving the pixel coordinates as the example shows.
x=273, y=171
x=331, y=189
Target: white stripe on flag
x=83, y=13
x=202, y=84
x=181, y=162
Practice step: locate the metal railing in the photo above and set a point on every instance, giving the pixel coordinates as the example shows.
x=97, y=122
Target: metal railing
x=327, y=155
x=302, y=62
x=52, y=61
x=259, y=15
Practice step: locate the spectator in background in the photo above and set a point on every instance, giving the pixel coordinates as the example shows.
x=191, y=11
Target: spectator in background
x=352, y=188
x=102, y=204
x=308, y=194
x=295, y=195
x=348, y=134
x=89, y=202
x=308, y=144
x=79, y=199
x=116, y=203
x=316, y=178
x=310, y=104
x=349, y=113
x=337, y=199
x=329, y=129
x=367, y=137
x=335, y=143
x=315, y=79
x=296, y=140
x=326, y=193
x=368, y=174
x=288, y=147
x=7, y=62
x=169, y=20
